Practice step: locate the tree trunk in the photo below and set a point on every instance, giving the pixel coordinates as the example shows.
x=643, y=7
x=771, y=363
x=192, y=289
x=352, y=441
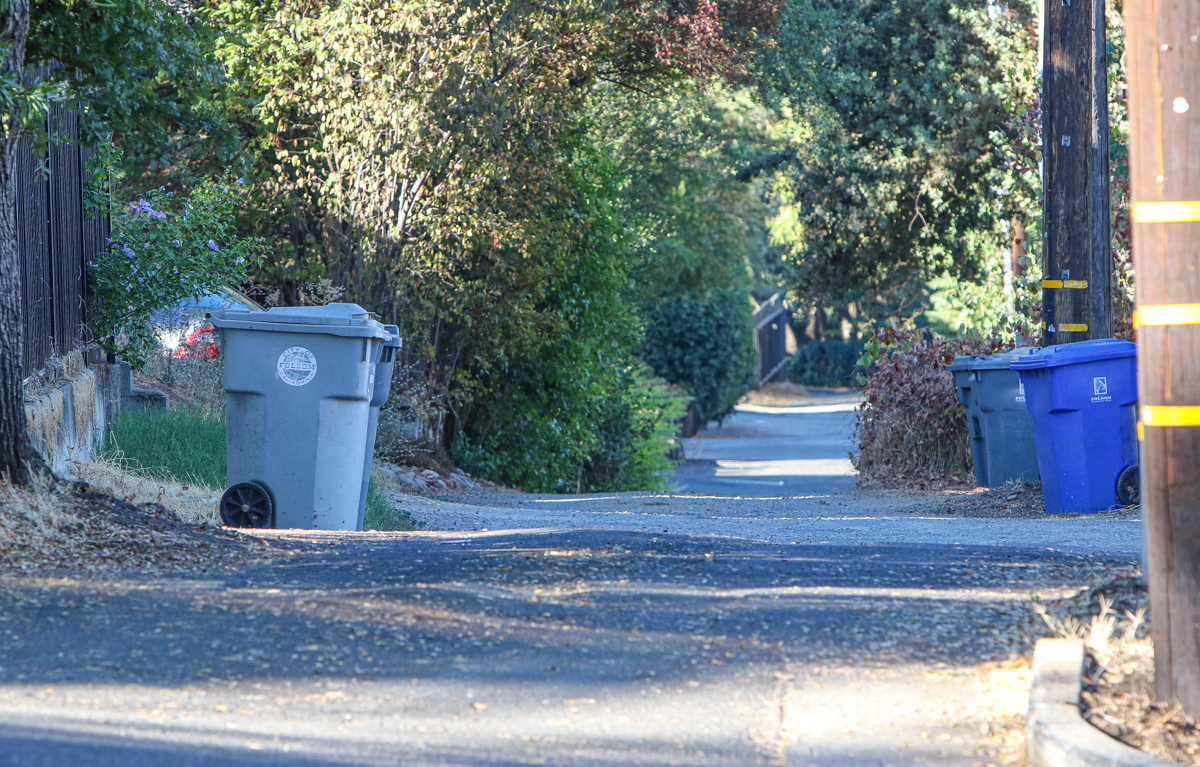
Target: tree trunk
x=16, y=452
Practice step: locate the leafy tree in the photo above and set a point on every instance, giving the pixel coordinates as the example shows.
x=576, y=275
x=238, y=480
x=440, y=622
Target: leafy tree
x=696, y=228
x=403, y=140
x=532, y=418
x=700, y=235
x=909, y=170
x=138, y=72
x=164, y=250
x=436, y=159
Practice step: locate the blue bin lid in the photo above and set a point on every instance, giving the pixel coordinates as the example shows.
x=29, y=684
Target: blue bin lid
x=998, y=361
x=1075, y=354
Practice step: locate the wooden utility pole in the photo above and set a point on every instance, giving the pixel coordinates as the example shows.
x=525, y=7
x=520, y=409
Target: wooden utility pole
x=1076, y=296
x=1163, y=57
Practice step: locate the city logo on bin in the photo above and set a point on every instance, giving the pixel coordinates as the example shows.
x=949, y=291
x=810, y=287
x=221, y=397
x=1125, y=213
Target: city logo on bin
x=1020, y=391
x=1100, y=389
x=296, y=366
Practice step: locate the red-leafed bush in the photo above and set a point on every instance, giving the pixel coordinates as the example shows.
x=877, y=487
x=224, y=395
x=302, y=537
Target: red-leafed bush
x=911, y=429
x=701, y=38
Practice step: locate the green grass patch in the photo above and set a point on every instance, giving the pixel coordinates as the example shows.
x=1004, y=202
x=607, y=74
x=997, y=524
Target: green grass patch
x=382, y=514
x=188, y=445
x=175, y=443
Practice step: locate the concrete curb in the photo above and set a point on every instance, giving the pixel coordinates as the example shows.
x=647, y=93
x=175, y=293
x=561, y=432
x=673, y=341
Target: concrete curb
x=1056, y=735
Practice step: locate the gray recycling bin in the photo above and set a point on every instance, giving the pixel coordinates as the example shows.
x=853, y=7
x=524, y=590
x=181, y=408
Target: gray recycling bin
x=1001, y=428
x=383, y=387
x=298, y=388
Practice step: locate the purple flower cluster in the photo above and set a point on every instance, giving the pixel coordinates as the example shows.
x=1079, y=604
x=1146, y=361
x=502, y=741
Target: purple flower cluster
x=142, y=206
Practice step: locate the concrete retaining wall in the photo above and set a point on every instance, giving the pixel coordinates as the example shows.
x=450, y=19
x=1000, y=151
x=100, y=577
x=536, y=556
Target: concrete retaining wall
x=68, y=408
x=66, y=413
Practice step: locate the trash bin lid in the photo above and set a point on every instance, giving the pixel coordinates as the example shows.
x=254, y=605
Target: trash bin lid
x=961, y=363
x=1077, y=353
x=1001, y=360
x=998, y=361
x=336, y=319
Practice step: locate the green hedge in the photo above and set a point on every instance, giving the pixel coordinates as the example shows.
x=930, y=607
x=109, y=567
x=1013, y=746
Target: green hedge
x=827, y=363
x=704, y=345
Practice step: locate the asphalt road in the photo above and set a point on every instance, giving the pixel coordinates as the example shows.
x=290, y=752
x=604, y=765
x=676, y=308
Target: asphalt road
x=817, y=627
x=574, y=648
x=764, y=452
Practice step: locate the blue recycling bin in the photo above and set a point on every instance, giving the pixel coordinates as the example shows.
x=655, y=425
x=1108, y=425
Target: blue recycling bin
x=1083, y=399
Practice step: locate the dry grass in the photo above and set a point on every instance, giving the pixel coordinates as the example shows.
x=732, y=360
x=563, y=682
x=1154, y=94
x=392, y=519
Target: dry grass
x=1107, y=615
x=192, y=503
x=61, y=526
x=35, y=519
x=193, y=383
x=1118, y=696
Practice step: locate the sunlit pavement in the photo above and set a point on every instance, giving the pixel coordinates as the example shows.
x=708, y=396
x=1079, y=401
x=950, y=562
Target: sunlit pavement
x=759, y=451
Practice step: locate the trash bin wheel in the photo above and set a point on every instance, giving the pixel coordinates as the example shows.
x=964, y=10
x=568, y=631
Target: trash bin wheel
x=1128, y=486
x=247, y=504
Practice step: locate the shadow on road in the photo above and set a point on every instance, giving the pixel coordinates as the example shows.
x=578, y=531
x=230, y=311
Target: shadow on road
x=577, y=646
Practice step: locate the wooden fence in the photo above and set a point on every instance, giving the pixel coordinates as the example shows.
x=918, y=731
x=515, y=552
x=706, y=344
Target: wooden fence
x=55, y=240
x=770, y=341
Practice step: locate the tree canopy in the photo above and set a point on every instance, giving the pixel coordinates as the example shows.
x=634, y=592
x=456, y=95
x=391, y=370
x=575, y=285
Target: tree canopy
x=547, y=196
x=910, y=169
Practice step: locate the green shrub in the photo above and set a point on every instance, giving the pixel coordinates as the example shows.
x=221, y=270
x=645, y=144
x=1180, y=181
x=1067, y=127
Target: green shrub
x=705, y=346
x=536, y=423
x=637, y=430
x=164, y=249
x=826, y=363
x=175, y=443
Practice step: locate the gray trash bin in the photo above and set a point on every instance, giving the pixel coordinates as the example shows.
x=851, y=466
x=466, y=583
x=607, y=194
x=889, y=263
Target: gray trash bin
x=1001, y=428
x=298, y=389
x=383, y=387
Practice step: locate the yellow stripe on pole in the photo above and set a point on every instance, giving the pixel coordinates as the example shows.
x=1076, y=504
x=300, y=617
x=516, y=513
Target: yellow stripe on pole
x=1171, y=415
x=1166, y=212
x=1141, y=428
x=1067, y=327
x=1055, y=284
x=1167, y=314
